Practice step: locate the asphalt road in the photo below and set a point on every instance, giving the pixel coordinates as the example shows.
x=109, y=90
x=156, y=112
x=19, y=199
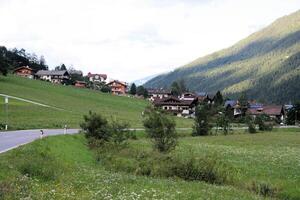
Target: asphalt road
x=13, y=139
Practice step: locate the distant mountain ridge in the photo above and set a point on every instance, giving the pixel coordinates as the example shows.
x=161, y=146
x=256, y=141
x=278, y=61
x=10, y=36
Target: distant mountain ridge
x=266, y=65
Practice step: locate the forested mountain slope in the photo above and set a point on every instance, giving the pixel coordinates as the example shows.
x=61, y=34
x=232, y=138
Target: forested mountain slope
x=266, y=65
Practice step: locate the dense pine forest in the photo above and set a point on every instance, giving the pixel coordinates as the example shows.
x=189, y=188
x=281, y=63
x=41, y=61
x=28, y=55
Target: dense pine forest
x=266, y=66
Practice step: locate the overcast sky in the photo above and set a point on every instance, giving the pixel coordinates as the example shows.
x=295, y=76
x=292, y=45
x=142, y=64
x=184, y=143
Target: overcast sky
x=132, y=39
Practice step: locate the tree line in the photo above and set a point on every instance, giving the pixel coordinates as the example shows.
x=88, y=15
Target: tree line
x=11, y=59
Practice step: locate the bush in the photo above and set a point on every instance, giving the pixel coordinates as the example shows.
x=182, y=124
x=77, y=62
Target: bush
x=207, y=168
x=264, y=123
x=40, y=164
x=264, y=189
x=201, y=124
x=224, y=123
x=251, y=125
x=161, y=129
x=119, y=132
x=99, y=131
x=96, y=126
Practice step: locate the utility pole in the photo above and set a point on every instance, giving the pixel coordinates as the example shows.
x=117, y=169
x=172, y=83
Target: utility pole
x=6, y=112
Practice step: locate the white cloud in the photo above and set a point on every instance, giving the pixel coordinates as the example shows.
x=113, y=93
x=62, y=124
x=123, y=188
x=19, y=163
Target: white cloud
x=130, y=39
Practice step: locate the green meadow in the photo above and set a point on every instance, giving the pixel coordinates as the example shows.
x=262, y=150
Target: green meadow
x=74, y=102
x=63, y=167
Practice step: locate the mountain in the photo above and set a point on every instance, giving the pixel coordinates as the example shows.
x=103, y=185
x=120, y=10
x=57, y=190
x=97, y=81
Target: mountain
x=142, y=81
x=265, y=65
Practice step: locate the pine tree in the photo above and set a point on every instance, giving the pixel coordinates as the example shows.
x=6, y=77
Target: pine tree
x=133, y=89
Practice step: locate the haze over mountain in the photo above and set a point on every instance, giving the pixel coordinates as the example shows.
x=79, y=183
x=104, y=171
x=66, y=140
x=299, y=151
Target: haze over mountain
x=266, y=65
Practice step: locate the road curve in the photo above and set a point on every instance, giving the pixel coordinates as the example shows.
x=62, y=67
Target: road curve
x=13, y=139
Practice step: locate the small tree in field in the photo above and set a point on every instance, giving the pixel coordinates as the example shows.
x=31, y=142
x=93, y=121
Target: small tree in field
x=251, y=124
x=224, y=123
x=161, y=129
x=96, y=126
x=201, y=124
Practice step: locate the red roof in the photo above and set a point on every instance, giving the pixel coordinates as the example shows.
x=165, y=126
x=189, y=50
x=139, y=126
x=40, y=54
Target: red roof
x=116, y=81
x=268, y=110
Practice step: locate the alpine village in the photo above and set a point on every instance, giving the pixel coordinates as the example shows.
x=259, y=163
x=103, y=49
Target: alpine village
x=117, y=113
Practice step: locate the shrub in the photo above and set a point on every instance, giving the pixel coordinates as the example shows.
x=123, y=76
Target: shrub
x=119, y=132
x=99, y=131
x=201, y=124
x=224, y=123
x=251, y=125
x=96, y=126
x=264, y=189
x=40, y=164
x=161, y=129
x=264, y=123
x=207, y=168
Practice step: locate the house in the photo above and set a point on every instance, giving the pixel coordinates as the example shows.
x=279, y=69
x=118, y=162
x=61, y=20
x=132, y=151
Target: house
x=117, y=87
x=53, y=76
x=204, y=97
x=188, y=96
x=80, y=84
x=158, y=94
x=74, y=72
x=24, y=71
x=235, y=107
x=273, y=111
x=177, y=106
x=97, y=77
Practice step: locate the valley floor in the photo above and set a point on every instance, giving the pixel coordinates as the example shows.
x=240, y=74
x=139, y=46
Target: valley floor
x=62, y=167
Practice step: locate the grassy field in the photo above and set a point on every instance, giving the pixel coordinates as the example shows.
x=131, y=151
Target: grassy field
x=61, y=167
x=263, y=161
x=75, y=102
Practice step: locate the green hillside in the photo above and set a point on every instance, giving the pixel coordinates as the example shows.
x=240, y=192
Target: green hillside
x=75, y=103
x=266, y=65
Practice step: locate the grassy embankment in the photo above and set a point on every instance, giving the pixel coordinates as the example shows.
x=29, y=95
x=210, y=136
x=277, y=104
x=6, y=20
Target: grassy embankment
x=63, y=167
x=75, y=102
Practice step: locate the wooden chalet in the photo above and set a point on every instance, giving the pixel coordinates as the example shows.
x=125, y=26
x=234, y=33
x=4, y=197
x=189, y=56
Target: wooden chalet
x=24, y=71
x=97, y=77
x=177, y=106
x=158, y=94
x=273, y=111
x=117, y=87
x=53, y=76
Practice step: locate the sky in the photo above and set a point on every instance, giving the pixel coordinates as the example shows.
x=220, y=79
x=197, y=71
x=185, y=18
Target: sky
x=132, y=39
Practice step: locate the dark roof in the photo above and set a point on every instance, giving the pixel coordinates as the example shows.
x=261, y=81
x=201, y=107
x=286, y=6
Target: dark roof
x=211, y=96
x=255, y=105
x=173, y=101
x=52, y=73
x=268, y=110
x=77, y=72
x=104, y=76
x=23, y=67
x=230, y=103
x=189, y=95
x=158, y=91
